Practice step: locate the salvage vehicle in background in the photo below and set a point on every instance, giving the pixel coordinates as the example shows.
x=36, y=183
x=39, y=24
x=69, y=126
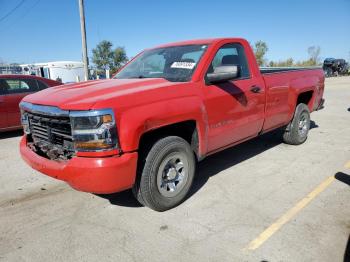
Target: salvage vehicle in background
x=335, y=67
x=168, y=108
x=66, y=71
x=12, y=89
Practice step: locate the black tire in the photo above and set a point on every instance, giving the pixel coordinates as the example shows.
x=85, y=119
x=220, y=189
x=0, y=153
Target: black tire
x=158, y=184
x=297, y=130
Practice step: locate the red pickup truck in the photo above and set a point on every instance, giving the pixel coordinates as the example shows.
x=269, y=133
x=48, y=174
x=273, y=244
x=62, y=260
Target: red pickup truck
x=168, y=108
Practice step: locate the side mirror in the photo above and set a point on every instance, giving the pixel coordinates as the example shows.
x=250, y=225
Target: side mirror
x=223, y=74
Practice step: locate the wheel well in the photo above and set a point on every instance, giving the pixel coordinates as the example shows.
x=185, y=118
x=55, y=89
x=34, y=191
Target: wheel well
x=305, y=98
x=186, y=130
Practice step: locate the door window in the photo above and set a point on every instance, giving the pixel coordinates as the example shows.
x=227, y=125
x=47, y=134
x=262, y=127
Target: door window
x=231, y=54
x=15, y=86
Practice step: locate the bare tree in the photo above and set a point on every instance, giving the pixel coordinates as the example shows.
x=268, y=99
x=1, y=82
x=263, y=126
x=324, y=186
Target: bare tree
x=314, y=54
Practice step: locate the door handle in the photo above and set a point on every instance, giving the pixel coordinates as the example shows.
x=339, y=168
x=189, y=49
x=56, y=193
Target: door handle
x=255, y=89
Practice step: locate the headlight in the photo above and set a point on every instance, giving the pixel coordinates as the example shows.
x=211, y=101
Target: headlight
x=94, y=130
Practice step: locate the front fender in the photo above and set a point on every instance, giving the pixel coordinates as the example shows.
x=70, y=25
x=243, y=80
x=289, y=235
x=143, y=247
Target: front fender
x=135, y=121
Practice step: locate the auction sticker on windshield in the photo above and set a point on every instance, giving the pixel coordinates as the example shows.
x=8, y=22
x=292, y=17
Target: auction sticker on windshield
x=183, y=65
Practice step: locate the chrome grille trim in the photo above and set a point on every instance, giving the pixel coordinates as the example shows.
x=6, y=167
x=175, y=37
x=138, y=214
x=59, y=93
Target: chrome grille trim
x=45, y=110
x=55, y=130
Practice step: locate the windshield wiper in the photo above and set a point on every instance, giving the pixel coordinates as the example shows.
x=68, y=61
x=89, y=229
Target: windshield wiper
x=139, y=76
x=142, y=76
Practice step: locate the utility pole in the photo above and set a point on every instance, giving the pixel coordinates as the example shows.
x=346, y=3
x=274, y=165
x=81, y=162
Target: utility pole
x=83, y=38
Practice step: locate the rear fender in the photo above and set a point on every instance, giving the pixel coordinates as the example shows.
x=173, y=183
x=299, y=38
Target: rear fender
x=299, y=86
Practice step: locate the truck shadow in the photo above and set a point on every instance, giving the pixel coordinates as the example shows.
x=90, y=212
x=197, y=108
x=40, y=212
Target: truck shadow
x=235, y=155
x=216, y=163
x=347, y=251
x=313, y=124
x=124, y=198
x=213, y=165
x=10, y=134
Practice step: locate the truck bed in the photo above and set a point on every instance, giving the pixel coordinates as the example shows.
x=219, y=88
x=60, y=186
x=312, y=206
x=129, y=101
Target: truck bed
x=281, y=83
x=271, y=70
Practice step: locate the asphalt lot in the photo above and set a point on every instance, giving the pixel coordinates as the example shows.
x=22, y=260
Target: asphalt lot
x=238, y=194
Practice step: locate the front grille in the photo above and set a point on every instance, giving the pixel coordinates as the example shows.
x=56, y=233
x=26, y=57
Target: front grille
x=51, y=135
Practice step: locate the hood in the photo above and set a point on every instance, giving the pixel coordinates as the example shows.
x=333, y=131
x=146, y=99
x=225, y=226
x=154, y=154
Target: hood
x=83, y=96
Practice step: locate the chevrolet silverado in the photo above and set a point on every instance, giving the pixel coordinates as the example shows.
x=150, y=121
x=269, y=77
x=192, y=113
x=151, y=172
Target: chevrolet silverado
x=167, y=109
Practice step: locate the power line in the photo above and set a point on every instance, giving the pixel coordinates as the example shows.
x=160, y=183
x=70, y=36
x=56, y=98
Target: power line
x=23, y=15
x=11, y=11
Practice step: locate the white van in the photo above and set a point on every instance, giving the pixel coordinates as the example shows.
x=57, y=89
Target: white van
x=66, y=71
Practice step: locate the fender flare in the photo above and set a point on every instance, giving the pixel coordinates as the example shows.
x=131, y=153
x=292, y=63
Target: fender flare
x=136, y=121
x=299, y=86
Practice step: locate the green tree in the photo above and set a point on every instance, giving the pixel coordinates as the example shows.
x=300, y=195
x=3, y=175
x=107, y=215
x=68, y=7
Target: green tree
x=119, y=57
x=260, y=49
x=102, y=55
x=105, y=57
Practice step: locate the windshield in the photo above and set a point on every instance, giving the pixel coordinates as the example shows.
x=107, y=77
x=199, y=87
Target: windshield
x=175, y=63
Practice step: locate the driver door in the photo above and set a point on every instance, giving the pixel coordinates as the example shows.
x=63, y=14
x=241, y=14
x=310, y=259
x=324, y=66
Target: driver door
x=235, y=108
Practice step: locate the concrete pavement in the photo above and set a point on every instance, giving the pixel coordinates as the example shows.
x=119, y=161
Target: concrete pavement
x=237, y=195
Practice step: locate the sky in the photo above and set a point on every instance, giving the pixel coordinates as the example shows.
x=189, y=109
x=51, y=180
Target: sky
x=49, y=30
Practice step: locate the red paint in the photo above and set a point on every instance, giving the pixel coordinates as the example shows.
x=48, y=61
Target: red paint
x=9, y=111
x=225, y=114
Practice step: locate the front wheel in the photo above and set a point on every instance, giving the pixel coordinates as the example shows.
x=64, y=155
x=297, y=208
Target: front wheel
x=297, y=130
x=166, y=175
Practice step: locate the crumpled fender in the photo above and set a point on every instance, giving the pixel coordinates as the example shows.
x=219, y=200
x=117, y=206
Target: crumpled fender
x=135, y=121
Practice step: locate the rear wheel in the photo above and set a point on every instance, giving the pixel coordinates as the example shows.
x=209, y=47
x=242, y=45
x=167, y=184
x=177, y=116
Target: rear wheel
x=166, y=175
x=297, y=130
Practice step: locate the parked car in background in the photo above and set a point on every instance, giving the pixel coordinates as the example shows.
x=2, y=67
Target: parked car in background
x=335, y=67
x=12, y=89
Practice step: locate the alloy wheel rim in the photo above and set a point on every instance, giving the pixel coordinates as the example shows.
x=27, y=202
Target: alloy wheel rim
x=303, y=125
x=172, y=174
